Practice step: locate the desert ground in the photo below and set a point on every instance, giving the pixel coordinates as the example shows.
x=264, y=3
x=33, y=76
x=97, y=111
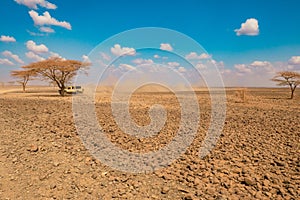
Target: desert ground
x=256, y=156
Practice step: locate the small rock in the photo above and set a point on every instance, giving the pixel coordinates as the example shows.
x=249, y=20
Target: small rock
x=266, y=183
x=248, y=182
x=14, y=160
x=165, y=190
x=52, y=186
x=280, y=163
x=43, y=177
x=258, y=195
x=55, y=164
x=188, y=197
x=94, y=176
x=33, y=148
x=183, y=190
x=104, y=174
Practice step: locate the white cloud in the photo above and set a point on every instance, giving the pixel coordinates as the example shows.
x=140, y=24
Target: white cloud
x=166, y=47
x=46, y=19
x=201, y=66
x=34, y=56
x=294, y=60
x=46, y=29
x=105, y=56
x=13, y=56
x=85, y=58
x=250, y=27
x=242, y=68
x=119, y=51
x=35, y=3
x=156, y=56
x=4, y=38
x=181, y=69
x=195, y=56
x=35, y=34
x=54, y=55
x=5, y=62
x=140, y=61
x=32, y=46
x=127, y=67
x=173, y=64
x=262, y=65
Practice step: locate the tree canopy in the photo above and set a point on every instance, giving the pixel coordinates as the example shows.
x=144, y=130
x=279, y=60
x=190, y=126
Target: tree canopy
x=58, y=70
x=23, y=76
x=288, y=78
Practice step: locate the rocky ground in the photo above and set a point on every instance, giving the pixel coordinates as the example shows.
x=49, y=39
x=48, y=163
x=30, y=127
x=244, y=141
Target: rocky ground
x=256, y=157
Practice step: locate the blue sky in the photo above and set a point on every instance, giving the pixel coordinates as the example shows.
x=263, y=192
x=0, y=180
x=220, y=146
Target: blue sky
x=76, y=27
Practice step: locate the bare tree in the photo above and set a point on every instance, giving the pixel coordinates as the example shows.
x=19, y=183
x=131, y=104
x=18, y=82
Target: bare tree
x=57, y=70
x=288, y=78
x=23, y=76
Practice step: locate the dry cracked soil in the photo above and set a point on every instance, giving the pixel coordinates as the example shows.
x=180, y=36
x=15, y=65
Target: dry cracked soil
x=256, y=156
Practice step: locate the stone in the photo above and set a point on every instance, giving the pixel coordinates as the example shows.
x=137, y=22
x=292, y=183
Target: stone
x=248, y=182
x=165, y=190
x=33, y=148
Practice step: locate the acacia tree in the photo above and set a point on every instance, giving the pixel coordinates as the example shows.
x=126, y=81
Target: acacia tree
x=57, y=70
x=288, y=78
x=23, y=76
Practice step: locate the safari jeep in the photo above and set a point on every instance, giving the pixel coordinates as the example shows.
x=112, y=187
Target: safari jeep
x=73, y=89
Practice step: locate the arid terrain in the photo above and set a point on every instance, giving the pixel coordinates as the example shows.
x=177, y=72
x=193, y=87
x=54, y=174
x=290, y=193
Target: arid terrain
x=256, y=157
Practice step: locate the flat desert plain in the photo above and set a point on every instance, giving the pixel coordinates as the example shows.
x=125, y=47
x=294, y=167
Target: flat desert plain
x=256, y=156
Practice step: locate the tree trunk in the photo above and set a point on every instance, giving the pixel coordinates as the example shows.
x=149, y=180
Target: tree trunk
x=62, y=91
x=292, y=92
x=24, y=87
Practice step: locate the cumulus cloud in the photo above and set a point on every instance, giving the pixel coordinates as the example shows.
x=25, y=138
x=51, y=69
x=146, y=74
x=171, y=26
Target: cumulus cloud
x=250, y=27
x=242, y=68
x=34, y=56
x=33, y=4
x=140, y=61
x=166, y=47
x=201, y=66
x=13, y=56
x=126, y=67
x=294, y=60
x=46, y=19
x=85, y=58
x=32, y=46
x=5, y=61
x=195, y=56
x=4, y=38
x=55, y=55
x=119, y=51
x=46, y=29
x=181, y=69
x=262, y=64
x=173, y=64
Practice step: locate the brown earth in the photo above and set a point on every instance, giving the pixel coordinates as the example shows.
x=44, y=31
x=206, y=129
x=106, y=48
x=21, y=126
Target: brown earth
x=256, y=157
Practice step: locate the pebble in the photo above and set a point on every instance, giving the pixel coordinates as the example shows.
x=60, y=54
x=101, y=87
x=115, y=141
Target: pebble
x=33, y=148
x=248, y=181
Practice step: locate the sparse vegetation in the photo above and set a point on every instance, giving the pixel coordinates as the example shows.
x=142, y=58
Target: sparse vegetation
x=57, y=70
x=23, y=76
x=288, y=78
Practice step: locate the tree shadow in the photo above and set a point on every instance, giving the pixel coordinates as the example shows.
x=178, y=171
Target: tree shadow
x=278, y=98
